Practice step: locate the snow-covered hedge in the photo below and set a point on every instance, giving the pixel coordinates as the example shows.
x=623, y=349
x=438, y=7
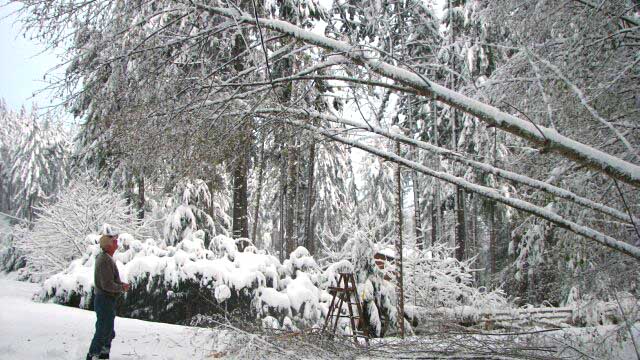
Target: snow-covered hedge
x=182, y=283
x=176, y=283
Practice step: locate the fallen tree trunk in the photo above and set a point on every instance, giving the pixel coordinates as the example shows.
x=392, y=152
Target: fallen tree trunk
x=486, y=192
x=455, y=156
x=467, y=316
x=546, y=138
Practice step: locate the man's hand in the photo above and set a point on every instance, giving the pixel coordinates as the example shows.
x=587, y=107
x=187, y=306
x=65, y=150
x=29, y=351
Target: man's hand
x=125, y=287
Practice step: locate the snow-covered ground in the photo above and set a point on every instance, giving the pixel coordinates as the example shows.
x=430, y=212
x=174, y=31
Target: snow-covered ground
x=32, y=330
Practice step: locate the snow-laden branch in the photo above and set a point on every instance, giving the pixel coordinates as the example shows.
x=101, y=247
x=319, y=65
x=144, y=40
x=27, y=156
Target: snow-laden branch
x=545, y=97
x=484, y=191
x=628, y=19
x=585, y=102
x=455, y=156
x=548, y=138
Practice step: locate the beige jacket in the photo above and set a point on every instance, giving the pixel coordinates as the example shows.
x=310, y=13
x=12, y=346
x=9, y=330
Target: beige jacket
x=106, y=277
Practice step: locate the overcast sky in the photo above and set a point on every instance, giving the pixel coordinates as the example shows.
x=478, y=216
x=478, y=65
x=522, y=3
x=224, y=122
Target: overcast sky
x=22, y=67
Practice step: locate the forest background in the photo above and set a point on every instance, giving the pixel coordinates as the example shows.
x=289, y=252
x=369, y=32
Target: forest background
x=240, y=119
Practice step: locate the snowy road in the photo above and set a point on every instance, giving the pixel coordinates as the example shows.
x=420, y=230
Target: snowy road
x=31, y=330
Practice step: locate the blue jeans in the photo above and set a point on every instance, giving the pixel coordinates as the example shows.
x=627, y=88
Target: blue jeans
x=105, y=307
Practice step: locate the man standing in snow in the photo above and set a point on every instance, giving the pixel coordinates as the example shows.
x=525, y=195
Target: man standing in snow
x=107, y=288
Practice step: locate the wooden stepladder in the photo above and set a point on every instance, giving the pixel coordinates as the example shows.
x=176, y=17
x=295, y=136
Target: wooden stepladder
x=346, y=293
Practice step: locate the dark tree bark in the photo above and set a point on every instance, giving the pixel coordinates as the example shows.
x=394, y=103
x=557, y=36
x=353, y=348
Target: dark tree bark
x=256, y=215
x=416, y=191
x=399, y=245
x=493, y=234
x=436, y=214
x=492, y=241
x=240, y=221
x=292, y=179
x=416, y=211
x=240, y=201
x=141, y=199
x=299, y=202
x=311, y=197
x=434, y=221
x=461, y=229
x=474, y=231
x=30, y=209
x=282, y=197
x=128, y=189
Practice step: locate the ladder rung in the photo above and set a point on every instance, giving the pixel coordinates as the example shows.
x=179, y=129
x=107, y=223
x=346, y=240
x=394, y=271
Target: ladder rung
x=348, y=289
x=344, y=316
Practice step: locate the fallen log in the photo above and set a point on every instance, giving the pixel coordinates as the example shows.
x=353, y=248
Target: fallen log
x=468, y=316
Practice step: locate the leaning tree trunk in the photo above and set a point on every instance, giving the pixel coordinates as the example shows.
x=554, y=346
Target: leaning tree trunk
x=411, y=82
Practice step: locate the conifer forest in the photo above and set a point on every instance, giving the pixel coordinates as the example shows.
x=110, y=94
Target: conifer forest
x=324, y=179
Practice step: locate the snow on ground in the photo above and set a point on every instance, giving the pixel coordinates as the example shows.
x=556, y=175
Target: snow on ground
x=31, y=330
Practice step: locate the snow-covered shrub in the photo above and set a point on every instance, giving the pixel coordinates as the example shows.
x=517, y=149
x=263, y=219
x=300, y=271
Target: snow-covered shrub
x=180, y=283
x=436, y=282
x=437, y=279
x=176, y=283
x=298, y=293
x=59, y=234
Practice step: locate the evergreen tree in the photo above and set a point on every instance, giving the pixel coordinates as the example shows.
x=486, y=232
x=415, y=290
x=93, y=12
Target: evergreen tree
x=40, y=165
x=186, y=212
x=9, y=132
